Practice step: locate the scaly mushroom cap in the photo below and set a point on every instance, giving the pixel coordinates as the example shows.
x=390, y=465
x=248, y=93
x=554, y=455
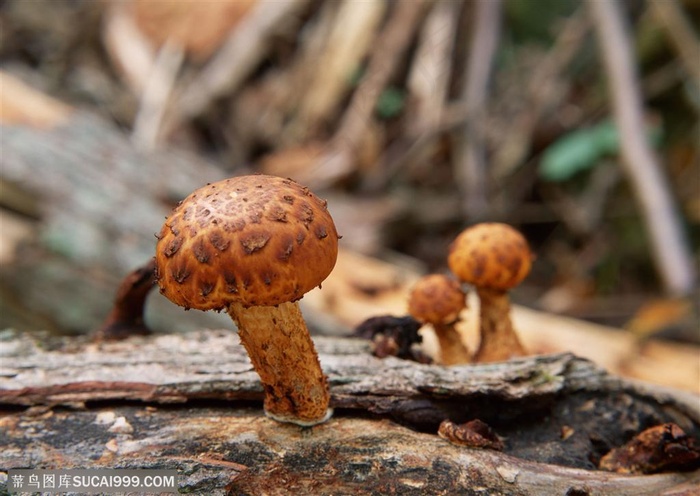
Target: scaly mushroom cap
x=490, y=255
x=436, y=299
x=255, y=240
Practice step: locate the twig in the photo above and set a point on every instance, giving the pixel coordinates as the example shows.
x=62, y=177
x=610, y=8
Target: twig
x=428, y=85
x=428, y=81
x=681, y=34
x=22, y=105
x=238, y=56
x=470, y=167
x=394, y=40
x=132, y=53
x=402, y=153
x=669, y=246
x=545, y=90
x=155, y=95
x=392, y=43
x=126, y=317
x=297, y=77
x=349, y=41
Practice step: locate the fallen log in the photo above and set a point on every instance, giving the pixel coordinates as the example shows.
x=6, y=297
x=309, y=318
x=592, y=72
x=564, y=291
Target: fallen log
x=96, y=202
x=192, y=402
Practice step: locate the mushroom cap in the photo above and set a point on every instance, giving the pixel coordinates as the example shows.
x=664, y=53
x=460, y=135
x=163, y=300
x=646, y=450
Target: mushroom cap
x=490, y=255
x=255, y=240
x=436, y=299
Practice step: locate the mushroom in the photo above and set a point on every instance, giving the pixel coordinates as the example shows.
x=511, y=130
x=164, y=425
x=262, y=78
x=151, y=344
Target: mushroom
x=493, y=258
x=438, y=300
x=253, y=246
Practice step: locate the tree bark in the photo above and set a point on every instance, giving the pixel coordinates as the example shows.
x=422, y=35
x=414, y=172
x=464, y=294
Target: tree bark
x=99, y=203
x=192, y=402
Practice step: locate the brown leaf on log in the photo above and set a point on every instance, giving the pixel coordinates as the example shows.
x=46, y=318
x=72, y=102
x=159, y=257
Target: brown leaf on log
x=472, y=434
x=662, y=448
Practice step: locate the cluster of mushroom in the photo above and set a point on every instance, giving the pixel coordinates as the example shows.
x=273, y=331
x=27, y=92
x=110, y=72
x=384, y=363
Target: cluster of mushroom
x=254, y=245
x=493, y=258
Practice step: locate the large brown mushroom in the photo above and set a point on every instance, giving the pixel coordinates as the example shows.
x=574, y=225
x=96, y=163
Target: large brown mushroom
x=493, y=258
x=438, y=300
x=253, y=246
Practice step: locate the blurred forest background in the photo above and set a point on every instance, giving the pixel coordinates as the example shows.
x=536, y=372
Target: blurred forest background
x=413, y=118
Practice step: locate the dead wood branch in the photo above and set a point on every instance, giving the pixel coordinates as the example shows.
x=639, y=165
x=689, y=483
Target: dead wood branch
x=156, y=95
x=428, y=115
x=546, y=89
x=231, y=447
x=470, y=164
x=668, y=243
x=244, y=49
x=390, y=46
x=431, y=69
x=351, y=38
x=131, y=52
x=680, y=32
x=22, y=105
x=100, y=202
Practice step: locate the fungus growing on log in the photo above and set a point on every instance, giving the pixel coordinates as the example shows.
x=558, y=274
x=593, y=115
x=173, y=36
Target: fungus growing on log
x=253, y=246
x=493, y=258
x=438, y=300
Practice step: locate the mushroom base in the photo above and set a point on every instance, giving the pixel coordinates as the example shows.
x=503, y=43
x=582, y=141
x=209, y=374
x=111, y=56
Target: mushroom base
x=284, y=356
x=294, y=420
x=498, y=338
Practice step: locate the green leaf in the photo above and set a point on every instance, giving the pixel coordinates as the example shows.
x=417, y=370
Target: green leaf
x=578, y=151
x=582, y=149
x=390, y=103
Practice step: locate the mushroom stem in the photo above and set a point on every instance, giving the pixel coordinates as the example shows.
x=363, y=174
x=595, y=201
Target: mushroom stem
x=452, y=349
x=284, y=356
x=498, y=339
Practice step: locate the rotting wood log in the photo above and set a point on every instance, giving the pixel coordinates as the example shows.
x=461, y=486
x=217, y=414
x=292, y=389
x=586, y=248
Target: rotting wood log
x=98, y=194
x=99, y=203
x=193, y=402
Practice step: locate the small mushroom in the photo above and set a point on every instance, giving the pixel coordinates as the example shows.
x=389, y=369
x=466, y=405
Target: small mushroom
x=493, y=258
x=253, y=246
x=438, y=300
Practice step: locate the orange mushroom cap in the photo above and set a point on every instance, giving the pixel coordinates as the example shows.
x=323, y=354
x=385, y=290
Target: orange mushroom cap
x=436, y=299
x=490, y=255
x=253, y=240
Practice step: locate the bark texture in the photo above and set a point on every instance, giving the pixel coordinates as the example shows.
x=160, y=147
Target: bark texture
x=193, y=402
x=99, y=201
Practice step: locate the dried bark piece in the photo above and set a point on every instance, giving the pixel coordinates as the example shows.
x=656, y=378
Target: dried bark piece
x=472, y=434
x=393, y=336
x=126, y=317
x=662, y=448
